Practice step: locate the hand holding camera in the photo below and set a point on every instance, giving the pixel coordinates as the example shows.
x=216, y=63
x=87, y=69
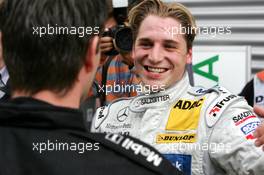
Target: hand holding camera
x=121, y=35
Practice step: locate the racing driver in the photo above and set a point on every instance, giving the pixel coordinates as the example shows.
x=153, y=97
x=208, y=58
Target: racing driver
x=201, y=131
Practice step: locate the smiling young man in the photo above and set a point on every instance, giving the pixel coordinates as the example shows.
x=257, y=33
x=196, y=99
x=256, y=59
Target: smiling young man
x=202, y=131
x=160, y=54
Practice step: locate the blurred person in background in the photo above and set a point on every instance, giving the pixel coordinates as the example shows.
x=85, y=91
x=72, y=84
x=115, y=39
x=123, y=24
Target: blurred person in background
x=116, y=70
x=254, y=90
x=115, y=77
x=41, y=128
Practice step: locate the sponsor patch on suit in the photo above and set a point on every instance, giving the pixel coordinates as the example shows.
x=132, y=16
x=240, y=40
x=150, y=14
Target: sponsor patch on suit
x=184, y=115
x=180, y=161
x=175, y=138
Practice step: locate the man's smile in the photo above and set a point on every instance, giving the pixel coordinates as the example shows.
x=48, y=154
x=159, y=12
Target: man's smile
x=155, y=69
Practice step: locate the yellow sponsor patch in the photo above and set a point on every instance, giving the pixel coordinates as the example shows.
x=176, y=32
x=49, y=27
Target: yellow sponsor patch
x=184, y=115
x=175, y=138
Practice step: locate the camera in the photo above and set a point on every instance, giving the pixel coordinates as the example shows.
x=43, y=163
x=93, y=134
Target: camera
x=121, y=34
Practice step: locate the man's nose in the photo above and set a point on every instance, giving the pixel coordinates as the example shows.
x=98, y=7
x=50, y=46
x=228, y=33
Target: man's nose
x=155, y=55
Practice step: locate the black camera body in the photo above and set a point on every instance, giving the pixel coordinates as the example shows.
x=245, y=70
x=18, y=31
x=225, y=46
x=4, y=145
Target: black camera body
x=121, y=34
x=122, y=39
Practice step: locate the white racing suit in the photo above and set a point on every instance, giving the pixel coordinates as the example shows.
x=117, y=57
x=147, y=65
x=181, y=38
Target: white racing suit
x=201, y=131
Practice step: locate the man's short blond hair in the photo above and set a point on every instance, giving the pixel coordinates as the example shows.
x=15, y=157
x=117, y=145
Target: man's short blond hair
x=155, y=7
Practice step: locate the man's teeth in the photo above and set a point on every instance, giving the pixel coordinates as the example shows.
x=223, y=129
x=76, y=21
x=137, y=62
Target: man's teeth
x=156, y=70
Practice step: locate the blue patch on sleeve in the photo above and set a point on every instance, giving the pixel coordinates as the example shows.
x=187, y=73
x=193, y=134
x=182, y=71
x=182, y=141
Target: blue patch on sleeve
x=250, y=127
x=181, y=161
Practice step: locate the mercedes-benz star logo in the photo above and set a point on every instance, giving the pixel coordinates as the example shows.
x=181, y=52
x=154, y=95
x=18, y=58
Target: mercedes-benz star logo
x=122, y=114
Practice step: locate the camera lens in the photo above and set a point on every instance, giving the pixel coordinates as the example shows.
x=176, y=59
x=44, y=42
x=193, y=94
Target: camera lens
x=123, y=39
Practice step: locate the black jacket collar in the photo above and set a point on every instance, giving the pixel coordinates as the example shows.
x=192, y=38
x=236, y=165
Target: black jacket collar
x=29, y=112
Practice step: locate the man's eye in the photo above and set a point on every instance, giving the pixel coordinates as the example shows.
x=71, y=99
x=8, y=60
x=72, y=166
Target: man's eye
x=145, y=45
x=169, y=46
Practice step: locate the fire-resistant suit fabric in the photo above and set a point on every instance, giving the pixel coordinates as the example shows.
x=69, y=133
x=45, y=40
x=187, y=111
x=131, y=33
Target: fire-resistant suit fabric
x=201, y=131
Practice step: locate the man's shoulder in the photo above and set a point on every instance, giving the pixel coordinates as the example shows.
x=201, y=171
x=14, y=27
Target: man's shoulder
x=135, y=151
x=130, y=154
x=105, y=153
x=219, y=101
x=110, y=110
x=202, y=91
x=198, y=90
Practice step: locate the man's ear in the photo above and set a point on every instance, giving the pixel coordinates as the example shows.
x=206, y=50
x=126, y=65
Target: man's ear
x=189, y=56
x=91, y=59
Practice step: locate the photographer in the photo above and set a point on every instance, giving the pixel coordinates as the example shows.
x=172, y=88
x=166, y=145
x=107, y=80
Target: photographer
x=254, y=90
x=116, y=68
x=115, y=77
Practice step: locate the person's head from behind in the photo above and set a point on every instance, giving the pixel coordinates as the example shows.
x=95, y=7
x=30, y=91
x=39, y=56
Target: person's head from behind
x=163, y=35
x=61, y=57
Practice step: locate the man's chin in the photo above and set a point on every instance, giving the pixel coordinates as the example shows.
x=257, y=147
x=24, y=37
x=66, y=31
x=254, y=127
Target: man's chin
x=152, y=82
x=155, y=86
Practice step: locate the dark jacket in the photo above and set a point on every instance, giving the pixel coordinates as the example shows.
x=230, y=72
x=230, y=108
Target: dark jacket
x=39, y=138
x=248, y=92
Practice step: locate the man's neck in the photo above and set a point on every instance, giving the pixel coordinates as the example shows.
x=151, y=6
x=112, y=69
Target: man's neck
x=70, y=100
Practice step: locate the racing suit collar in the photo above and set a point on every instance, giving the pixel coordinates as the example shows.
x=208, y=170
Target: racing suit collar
x=164, y=98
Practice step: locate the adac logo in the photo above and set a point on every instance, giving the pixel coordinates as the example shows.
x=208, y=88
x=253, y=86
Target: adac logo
x=181, y=104
x=175, y=138
x=184, y=115
x=213, y=112
x=123, y=114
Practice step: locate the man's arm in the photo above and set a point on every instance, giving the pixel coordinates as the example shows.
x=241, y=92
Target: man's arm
x=233, y=135
x=138, y=152
x=106, y=45
x=259, y=133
